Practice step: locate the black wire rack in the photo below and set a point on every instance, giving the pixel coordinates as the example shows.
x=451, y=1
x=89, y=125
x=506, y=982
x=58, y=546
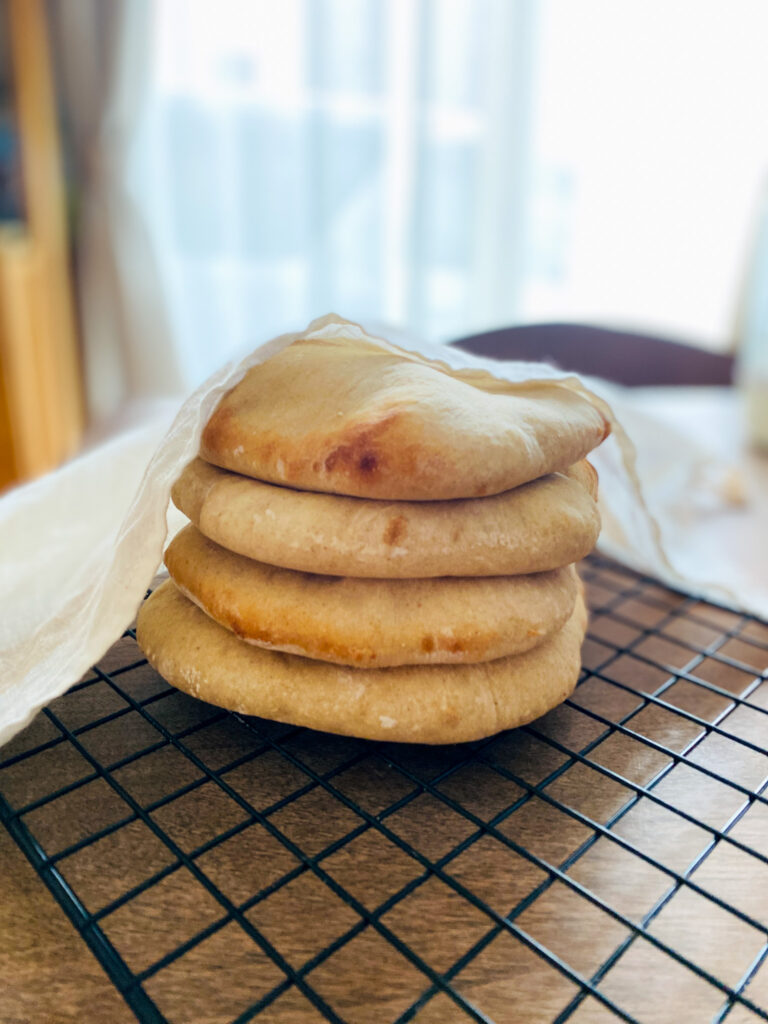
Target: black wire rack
x=609, y=861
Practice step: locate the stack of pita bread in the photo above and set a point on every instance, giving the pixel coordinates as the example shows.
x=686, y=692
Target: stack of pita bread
x=380, y=548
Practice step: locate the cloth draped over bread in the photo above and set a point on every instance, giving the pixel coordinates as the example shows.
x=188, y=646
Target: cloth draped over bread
x=50, y=643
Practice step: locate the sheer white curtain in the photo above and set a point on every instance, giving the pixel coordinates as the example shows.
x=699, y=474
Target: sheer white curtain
x=368, y=157
x=127, y=344
x=444, y=166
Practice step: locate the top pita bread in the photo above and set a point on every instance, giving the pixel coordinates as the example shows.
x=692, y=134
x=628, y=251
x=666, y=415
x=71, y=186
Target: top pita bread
x=373, y=423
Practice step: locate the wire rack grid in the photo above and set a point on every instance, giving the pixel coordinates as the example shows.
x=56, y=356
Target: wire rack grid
x=609, y=861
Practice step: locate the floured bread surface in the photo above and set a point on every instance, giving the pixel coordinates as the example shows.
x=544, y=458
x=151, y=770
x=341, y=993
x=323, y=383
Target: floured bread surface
x=542, y=525
x=420, y=704
x=324, y=415
x=366, y=622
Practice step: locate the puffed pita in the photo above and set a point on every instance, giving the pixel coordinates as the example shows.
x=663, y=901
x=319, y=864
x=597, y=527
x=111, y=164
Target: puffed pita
x=370, y=623
x=539, y=526
x=331, y=416
x=418, y=704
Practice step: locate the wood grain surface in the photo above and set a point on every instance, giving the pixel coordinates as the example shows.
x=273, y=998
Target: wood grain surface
x=48, y=973
x=240, y=860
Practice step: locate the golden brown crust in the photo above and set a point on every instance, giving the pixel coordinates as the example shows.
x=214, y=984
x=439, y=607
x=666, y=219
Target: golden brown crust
x=370, y=423
x=424, y=704
x=368, y=622
x=539, y=526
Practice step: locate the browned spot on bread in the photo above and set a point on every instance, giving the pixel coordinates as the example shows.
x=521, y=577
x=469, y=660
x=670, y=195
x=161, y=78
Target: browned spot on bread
x=345, y=456
x=427, y=644
x=276, y=638
x=342, y=652
x=396, y=530
x=358, y=452
x=454, y=646
x=455, y=534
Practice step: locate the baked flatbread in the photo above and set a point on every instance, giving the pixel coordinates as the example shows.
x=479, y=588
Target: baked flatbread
x=370, y=623
x=542, y=525
x=420, y=704
x=324, y=415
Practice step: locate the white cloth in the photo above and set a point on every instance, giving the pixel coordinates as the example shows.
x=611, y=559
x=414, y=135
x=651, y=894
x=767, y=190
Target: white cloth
x=79, y=547
x=706, y=488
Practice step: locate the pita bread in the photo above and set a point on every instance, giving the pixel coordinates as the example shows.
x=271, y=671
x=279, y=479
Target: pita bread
x=419, y=704
x=325, y=416
x=370, y=623
x=542, y=525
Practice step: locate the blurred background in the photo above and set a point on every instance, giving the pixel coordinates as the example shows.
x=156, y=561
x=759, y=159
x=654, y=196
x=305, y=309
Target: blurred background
x=180, y=180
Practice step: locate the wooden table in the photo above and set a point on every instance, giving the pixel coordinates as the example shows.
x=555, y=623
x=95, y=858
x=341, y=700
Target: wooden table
x=49, y=975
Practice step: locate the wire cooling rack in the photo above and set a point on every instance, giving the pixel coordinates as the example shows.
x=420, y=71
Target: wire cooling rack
x=609, y=861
